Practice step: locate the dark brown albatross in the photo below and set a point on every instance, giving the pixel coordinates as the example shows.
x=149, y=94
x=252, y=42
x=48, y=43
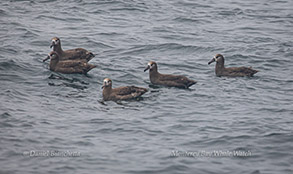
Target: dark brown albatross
x=72, y=54
x=121, y=93
x=221, y=70
x=167, y=79
x=69, y=66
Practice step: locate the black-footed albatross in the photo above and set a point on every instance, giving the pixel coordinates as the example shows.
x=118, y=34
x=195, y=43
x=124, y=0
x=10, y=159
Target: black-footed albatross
x=121, y=93
x=72, y=54
x=167, y=79
x=230, y=72
x=69, y=66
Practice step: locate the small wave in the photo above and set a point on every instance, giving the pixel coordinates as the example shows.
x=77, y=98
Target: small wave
x=190, y=19
x=12, y=65
x=5, y=115
x=130, y=9
x=234, y=12
x=71, y=80
x=61, y=80
x=193, y=4
x=112, y=2
x=84, y=142
x=50, y=17
x=3, y=13
x=171, y=168
x=8, y=50
x=68, y=85
x=99, y=45
x=160, y=47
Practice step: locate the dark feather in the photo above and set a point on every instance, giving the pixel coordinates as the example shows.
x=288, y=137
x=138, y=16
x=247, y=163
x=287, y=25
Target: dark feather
x=78, y=53
x=239, y=71
x=72, y=66
x=129, y=90
x=123, y=93
x=174, y=81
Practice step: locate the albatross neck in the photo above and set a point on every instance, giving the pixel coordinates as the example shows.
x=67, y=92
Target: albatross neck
x=220, y=67
x=107, y=90
x=53, y=64
x=58, y=48
x=153, y=73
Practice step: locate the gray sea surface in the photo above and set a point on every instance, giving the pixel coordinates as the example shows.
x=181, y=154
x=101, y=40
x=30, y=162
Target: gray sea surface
x=57, y=123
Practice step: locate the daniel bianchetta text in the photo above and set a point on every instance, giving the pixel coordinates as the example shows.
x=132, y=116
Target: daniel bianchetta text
x=51, y=153
x=214, y=153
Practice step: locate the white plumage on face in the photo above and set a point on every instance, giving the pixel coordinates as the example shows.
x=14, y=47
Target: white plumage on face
x=53, y=55
x=151, y=64
x=107, y=82
x=55, y=41
x=217, y=57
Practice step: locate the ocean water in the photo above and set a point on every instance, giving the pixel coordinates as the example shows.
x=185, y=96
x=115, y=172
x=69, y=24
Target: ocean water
x=57, y=123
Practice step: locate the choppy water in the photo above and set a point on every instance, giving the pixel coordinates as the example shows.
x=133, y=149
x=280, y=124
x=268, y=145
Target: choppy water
x=171, y=130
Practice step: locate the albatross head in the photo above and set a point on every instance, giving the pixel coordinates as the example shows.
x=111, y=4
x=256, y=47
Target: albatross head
x=53, y=55
x=106, y=83
x=55, y=41
x=217, y=58
x=151, y=65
